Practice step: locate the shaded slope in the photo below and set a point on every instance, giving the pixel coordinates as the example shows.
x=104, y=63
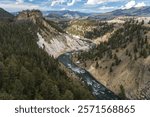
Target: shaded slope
x=28, y=72
x=4, y=15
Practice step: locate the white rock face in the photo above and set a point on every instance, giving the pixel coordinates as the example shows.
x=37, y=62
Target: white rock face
x=62, y=44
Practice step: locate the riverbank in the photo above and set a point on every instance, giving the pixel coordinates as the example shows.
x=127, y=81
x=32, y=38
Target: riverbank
x=97, y=89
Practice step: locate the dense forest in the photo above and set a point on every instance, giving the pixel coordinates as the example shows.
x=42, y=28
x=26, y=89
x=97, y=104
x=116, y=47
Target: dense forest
x=28, y=72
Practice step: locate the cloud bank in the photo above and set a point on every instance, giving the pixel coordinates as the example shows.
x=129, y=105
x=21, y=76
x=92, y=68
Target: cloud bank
x=132, y=3
x=79, y=5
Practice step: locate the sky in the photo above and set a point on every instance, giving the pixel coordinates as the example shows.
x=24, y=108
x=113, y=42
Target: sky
x=97, y=6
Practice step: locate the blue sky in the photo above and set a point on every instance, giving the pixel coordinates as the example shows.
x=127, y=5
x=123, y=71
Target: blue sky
x=75, y=5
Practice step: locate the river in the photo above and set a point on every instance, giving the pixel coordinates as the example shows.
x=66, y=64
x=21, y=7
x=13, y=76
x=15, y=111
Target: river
x=97, y=89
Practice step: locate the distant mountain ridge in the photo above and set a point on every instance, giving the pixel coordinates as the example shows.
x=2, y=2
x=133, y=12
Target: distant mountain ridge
x=5, y=15
x=66, y=14
x=134, y=11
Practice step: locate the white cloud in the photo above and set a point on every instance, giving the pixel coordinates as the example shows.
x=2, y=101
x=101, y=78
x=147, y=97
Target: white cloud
x=141, y=4
x=57, y=2
x=132, y=3
x=66, y=2
x=71, y=3
x=19, y=1
x=54, y=2
x=11, y=6
x=63, y=9
x=106, y=8
x=94, y=2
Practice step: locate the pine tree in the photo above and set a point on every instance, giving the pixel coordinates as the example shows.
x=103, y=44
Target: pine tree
x=122, y=92
x=96, y=65
x=142, y=22
x=117, y=61
x=55, y=94
x=1, y=74
x=68, y=95
x=110, y=70
x=144, y=53
x=27, y=79
x=17, y=89
x=135, y=48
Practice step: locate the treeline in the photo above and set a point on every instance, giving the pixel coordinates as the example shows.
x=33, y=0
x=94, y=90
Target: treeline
x=27, y=72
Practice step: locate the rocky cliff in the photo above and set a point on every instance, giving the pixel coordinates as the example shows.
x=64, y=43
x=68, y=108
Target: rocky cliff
x=29, y=15
x=50, y=37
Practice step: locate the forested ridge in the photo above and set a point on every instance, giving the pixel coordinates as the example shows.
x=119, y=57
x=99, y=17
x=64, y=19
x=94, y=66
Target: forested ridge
x=90, y=29
x=5, y=16
x=28, y=72
x=122, y=62
x=132, y=32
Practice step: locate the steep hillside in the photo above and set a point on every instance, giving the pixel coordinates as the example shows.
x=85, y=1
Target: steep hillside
x=53, y=39
x=90, y=29
x=122, y=63
x=27, y=71
x=4, y=15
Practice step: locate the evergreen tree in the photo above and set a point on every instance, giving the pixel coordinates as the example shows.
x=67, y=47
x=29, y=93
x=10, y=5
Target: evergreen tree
x=110, y=70
x=17, y=89
x=27, y=79
x=96, y=65
x=55, y=94
x=142, y=22
x=122, y=92
x=68, y=95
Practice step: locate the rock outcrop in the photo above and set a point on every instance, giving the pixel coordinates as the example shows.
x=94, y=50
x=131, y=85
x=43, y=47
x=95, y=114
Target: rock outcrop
x=29, y=15
x=51, y=38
